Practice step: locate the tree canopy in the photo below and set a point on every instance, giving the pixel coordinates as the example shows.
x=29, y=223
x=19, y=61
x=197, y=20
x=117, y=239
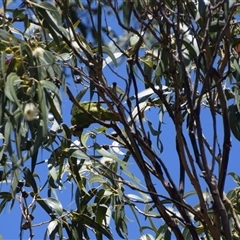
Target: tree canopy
x=89, y=88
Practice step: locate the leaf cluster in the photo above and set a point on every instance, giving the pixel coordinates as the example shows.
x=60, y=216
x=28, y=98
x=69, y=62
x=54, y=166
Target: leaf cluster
x=181, y=65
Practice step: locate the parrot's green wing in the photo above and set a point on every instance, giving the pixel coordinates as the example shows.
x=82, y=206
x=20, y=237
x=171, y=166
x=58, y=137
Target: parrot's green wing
x=82, y=120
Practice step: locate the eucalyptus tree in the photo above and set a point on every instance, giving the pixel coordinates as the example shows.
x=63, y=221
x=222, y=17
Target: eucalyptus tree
x=92, y=87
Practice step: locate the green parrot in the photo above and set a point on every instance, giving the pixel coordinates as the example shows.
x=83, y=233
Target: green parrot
x=81, y=120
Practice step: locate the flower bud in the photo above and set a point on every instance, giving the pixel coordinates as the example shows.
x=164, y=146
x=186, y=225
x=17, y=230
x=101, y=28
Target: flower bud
x=38, y=52
x=30, y=112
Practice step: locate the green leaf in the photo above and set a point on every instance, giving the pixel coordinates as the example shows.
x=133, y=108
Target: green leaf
x=236, y=65
x=43, y=109
x=52, y=229
x=216, y=26
x=63, y=57
x=153, y=131
x=52, y=9
x=96, y=179
x=55, y=205
x=229, y=93
x=47, y=60
x=101, y=213
x=86, y=198
x=187, y=234
x=127, y=11
x=148, y=71
x=52, y=169
x=190, y=193
x=84, y=138
x=51, y=24
x=30, y=181
x=71, y=231
x=135, y=213
x=234, y=117
x=44, y=5
x=231, y=195
x=18, y=13
x=3, y=204
x=37, y=143
x=43, y=204
x=99, y=29
x=237, y=97
x=7, y=133
x=119, y=217
x=147, y=237
x=123, y=165
x=235, y=177
x=10, y=38
x=148, y=68
x=3, y=46
x=26, y=50
x=113, y=58
x=77, y=153
x=202, y=8
x=111, y=55
x=190, y=44
x=167, y=235
x=14, y=183
x=6, y=195
x=67, y=135
x=34, y=160
x=55, y=107
x=147, y=93
x=12, y=81
x=51, y=86
x=98, y=227
x=135, y=197
x=79, y=96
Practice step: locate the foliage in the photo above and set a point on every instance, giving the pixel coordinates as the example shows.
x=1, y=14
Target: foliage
x=179, y=63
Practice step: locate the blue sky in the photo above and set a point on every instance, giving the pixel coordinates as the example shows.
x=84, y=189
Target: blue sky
x=10, y=221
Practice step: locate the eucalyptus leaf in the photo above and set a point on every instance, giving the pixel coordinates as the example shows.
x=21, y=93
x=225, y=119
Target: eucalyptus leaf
x=112, y=58
x=127, y=12
x=234, y=117
x=55, y=205
x=91, y=223
x=147, y=237
x=77, y=153
x=149, y=92
x=123, y=165
x=97, y=179
x=135, y=197
x=30, y=181
x=43, y=109
x=13, y=80
x=52, y=226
